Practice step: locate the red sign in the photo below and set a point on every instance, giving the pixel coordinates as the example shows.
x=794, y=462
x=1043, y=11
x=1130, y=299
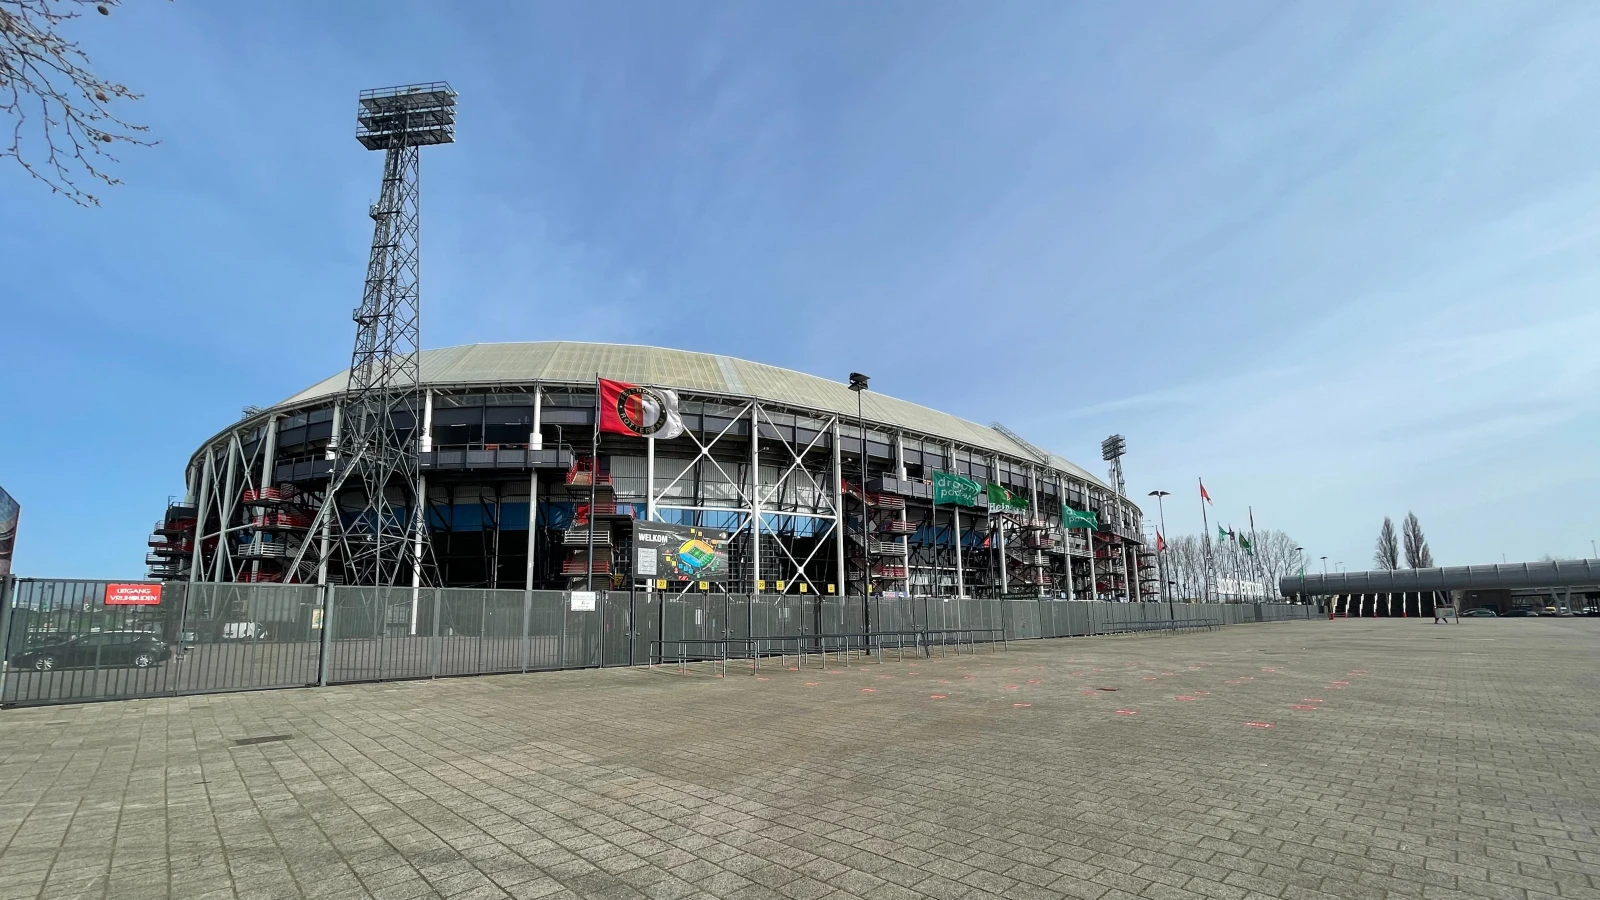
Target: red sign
x=133, y=595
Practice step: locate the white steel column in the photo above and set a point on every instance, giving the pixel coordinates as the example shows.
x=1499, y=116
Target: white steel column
x=197, y=560
x=227, y=503
x=419, y=516
x=1094, y=586
x=955, y=528
x=1000, y=529
x=838, y=511
x=905, y=539
x=755, y=495
x=535, y=443
x=268, y=460
x=650, y=478
x=332, y=453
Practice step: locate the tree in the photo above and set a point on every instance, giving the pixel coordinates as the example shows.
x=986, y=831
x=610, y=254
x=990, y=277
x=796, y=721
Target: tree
x=62, y=124
x=1418, y=556
x=1280, y=556
x=1387, y=556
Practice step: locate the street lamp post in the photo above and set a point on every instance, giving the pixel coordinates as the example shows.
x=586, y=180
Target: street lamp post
x=858, y=383
x=1324, y=566
x=1161, y=550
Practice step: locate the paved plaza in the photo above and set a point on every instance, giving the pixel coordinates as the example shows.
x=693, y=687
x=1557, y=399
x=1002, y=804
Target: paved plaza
x=1388, y=758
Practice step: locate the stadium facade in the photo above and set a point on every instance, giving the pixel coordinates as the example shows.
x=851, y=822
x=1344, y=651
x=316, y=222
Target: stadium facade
x=769, y=458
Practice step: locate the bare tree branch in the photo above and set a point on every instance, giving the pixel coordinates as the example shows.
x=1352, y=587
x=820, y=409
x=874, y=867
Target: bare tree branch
x=63, y=128
x=1418, y=556
x=1387, y=554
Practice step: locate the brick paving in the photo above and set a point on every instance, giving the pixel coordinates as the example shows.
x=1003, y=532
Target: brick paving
x=1403, y=760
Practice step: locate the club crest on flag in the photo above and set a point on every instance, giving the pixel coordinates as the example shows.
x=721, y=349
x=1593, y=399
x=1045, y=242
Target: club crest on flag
x=639, y=411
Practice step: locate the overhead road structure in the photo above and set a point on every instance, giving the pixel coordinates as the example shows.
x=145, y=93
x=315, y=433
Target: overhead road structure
x=504, y=434
x=1412, y=591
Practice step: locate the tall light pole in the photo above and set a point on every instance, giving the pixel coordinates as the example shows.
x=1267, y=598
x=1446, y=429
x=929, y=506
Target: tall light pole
x=1302, y=552
x=1338, y=567
x=1161, y=550
x=1324, y=566
x=858, y=383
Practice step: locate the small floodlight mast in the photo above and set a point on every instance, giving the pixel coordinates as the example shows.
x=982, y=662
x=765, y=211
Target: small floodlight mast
x=373, y=519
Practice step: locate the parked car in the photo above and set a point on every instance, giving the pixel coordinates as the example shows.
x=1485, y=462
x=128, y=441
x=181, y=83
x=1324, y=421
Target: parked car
x=244, y=631
x=1480, y=613
x=1548, y=611
x=1520, y=613
x=139, y=649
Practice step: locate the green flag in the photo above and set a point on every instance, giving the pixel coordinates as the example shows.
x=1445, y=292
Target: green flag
x=1003, y=500
x=955, y=489
x=1077, y=518
x=1245, y=543
x=1222, y=535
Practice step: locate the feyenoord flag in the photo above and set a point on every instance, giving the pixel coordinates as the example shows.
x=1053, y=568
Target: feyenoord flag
x=638, y=410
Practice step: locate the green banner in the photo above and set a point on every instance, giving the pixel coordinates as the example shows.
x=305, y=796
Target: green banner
x=1077, y=518
x=955, y=489
x=1003, y=500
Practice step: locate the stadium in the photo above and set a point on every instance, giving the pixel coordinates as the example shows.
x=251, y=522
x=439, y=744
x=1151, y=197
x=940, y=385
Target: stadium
x=525, y=489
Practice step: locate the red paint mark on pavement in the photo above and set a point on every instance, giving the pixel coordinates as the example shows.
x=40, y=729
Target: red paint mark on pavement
x=1036, y=681
x=1021, y=705
x=869, y=690
x=1268, y=669
x=937, y=696
x=812, y=683
x=1301, y=706
x=1258, y=724
x=1184, y=697
x=761, y=678
x=1127, y=712
x=1011, y=687
x=1089, y=693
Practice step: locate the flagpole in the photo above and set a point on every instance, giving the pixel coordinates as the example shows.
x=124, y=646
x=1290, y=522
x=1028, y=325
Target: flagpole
x=1255, y=558
x=1205, y=537
x=594, y=475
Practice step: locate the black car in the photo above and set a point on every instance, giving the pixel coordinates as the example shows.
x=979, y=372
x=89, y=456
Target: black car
x=1520, y=613
x=107, y=649
x=1480, y=613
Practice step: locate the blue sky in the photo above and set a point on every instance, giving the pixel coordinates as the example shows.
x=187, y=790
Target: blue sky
x=1338, y=259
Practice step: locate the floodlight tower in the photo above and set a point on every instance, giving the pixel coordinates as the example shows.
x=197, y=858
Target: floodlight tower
x=379, y=536
x=1112, y=449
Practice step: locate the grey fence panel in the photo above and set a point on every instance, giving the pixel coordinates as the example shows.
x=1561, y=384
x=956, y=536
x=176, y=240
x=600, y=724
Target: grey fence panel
x=1024, y=620
x=547, y=630
x=740, y=615
x=616, y=617
x=65, y=645
x=582, y=633
x=241, y=637
x=646, y=627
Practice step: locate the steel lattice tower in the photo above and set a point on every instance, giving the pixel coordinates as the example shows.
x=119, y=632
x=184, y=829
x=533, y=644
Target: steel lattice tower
x=374, y=530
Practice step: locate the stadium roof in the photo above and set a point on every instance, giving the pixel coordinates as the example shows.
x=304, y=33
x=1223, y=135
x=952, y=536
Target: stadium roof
x=575, y=363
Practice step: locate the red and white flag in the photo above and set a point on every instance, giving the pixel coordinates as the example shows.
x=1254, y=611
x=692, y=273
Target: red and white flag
x=1161, y=543
x=1203, y=495
x=638, y=410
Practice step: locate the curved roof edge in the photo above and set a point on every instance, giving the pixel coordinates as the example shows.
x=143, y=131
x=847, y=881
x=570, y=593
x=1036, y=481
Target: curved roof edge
x=1569, y=573
x=577, y=363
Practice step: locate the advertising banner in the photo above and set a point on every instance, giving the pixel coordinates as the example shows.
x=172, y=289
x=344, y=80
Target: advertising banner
x=1077, y=518
x=10, y=512
x=679, y=552
x=133, y=595
x=955, y=489
x=1002, y=499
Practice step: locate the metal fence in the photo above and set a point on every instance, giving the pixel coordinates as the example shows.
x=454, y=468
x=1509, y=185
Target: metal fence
x=63, y=644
